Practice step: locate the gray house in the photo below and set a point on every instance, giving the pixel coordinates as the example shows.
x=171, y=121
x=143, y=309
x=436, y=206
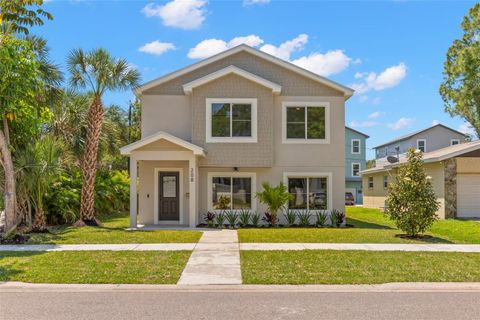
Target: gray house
x=214, y=131
x=355, y=162
x=427, y=140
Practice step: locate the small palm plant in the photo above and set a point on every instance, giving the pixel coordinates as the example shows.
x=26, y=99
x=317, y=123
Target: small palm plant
x=275, y=198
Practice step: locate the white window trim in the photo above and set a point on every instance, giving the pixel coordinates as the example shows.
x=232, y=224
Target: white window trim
x=456, y=140
x=211, y=175
x=208, y=121
x=424, y=144
x=359, y=146
x=359, y=169
x=287, y=104
x=180, y=194
x=327, y=175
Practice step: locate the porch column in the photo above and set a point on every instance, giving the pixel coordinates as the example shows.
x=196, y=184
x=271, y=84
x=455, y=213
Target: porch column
x=192, y=182
x=133, y=192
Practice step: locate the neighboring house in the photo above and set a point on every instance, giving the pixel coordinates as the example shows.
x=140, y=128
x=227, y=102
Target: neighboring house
x=355, y=162
x=455, y=174
x=429, y=139
x=214, y=131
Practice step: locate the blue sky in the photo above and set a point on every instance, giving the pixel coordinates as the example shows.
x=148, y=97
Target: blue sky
x=391, y=52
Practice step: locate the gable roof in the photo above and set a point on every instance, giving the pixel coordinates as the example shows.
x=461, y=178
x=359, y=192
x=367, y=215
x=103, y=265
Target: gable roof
x=126, y=150
x=433, y=156
x=243, y=47
x=408, y=136
x=363, y=134
x=188, y=87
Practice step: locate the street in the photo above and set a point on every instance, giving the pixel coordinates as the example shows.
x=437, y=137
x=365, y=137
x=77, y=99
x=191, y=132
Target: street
x=228, y=303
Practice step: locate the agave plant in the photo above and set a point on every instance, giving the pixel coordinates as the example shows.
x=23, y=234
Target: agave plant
x=275, y=198
x=220, y=219
x=333, y=218
x=255, y=219
x=291, y=217
x=231, y=217
x=244, y=217
x=321, y=218
x=304, y=218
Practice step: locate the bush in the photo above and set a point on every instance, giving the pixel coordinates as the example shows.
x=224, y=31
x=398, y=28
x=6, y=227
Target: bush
x=411, y=202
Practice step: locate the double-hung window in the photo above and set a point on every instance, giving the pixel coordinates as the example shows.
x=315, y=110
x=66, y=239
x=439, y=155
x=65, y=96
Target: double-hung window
x=370, y=182
x=355, y=169
x=385, y=182
x=308, y=192
x=454, y=142
x=231, y=120
x=305, y=122
x=231, y=191
x=422, y=145
x=355, y=146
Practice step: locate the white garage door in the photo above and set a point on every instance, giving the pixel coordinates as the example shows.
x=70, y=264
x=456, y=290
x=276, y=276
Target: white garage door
x=468, y=195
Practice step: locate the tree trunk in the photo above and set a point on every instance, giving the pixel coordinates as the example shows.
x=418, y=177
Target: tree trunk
x=40, y=223
x=9, y=188
x=89, y=161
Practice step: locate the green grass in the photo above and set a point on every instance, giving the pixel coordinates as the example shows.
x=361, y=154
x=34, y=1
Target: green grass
x=370, y=226
x=357, y=267
x=113, y=231
x=158, y=267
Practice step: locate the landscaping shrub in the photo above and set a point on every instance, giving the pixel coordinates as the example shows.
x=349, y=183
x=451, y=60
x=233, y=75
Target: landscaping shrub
x=291, y=217
x=231, y=217
x=209, y=217
x=321, y=218
x=220, y=219
x=244, y=217
x=304, y=218
x=255, y=219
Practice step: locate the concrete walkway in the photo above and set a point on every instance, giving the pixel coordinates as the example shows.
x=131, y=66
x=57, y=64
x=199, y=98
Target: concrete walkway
x=215, y=260
x=362, y=246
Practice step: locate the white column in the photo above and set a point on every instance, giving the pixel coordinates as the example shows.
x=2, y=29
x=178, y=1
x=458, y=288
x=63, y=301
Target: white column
x=192, y=182
x=133, y=192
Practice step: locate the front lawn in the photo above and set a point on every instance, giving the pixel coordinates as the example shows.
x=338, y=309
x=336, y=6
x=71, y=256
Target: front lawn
x=357, y=267
x=156, y=267
x=370, y=226
x=113, y=231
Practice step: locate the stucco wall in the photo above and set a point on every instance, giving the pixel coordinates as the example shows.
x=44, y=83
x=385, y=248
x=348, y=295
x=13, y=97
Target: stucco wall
x=468, y=165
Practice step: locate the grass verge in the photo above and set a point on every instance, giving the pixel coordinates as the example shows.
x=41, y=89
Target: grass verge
x=357, y=267
x=155, y=267
x=112, y=231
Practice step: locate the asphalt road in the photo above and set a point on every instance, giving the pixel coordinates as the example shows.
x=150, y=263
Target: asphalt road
x=245, y=305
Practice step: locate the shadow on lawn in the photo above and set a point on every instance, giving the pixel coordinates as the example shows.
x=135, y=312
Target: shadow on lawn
x=367, y=225
x=7, y=271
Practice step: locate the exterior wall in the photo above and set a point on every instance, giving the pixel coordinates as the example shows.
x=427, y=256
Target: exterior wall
x=351, y=181
x=450, y=188
x=146, y=193
x=436, y=138
x=375, y=198
x=468, y=165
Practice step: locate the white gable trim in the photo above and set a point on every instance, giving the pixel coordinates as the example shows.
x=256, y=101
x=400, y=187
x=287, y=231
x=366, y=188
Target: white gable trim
x=127, y=150
x=188, y=87
x=332, y=84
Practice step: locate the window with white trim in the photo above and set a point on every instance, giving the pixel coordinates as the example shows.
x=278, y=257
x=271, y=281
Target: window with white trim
x=355, y=169
x=355, y=146
x=231, y=192
x=454, y=142
x=231, y=120
x=305, y=122
x=422, y=145
x=308, y=193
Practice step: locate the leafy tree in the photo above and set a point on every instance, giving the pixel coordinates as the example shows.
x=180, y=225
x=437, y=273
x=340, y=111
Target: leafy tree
x=460, y=89
x=98, y=71
x=411, y=202
x=275, y=198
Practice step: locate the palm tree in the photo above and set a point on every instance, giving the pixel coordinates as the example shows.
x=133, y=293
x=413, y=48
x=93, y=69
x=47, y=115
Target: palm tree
x=98, y=72
x=38, y=165
x=275, y=198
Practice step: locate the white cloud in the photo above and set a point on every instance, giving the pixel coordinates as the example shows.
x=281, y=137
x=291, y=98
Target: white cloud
x=363, y=98
x=332, y=62
x=435, y=122
x=210, y=47
x=466, y=128
x=253, y=2
x=284, y=50
x=156, y=47
x=359, y=75
x=376, y=115
x=362, y=124
x=183, y=14
x=388, y=78
x=401, y=123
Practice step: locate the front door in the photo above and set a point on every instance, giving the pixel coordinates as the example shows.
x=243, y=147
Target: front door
x=168, y=196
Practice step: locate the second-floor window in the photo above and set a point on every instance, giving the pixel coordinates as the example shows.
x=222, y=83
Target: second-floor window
x=355, y=169
x=305, y=122
x=355, y=146
x=422, y=145
x=231, y=120
x=454, y=142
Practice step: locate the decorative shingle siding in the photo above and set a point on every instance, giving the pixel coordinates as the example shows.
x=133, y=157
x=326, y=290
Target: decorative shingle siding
x=293, y=84
x=235, y=154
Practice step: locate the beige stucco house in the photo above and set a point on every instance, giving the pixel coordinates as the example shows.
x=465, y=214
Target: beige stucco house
x=455, y=174
x=214, y=131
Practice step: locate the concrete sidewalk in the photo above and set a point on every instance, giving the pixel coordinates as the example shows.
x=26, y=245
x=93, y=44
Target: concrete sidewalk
x=215, y=260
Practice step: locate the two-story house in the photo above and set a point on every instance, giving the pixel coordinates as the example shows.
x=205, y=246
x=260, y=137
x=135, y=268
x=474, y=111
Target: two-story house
x=214, y=131
x=355, y=162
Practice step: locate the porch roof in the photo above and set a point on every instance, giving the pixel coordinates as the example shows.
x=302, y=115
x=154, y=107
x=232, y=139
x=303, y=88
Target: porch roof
x=161, y=135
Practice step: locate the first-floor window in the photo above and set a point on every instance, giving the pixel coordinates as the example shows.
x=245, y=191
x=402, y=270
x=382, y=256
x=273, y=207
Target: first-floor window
x=310, y=193
x=355, y=169
x=370, y=182
x=385, y=182
x=231, y=193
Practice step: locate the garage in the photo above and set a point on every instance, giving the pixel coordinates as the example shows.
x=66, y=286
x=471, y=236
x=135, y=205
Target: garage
x=468, y=195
